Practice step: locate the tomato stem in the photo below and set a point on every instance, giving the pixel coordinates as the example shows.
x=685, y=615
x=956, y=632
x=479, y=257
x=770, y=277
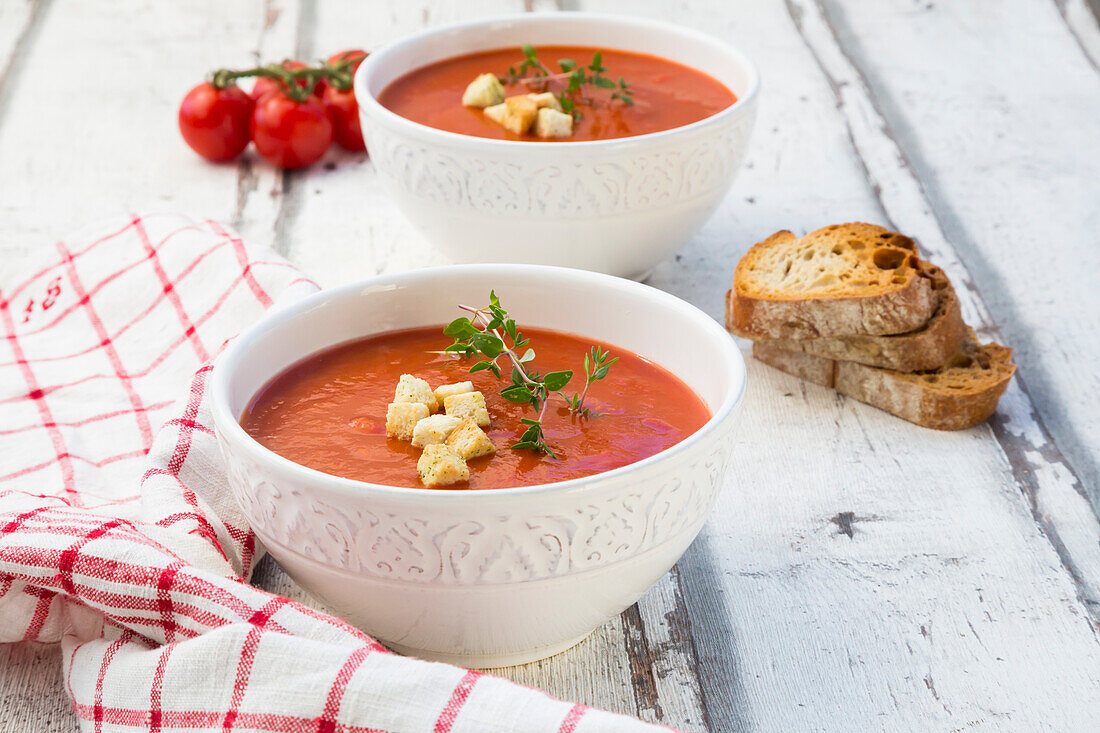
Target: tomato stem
x=337, y=74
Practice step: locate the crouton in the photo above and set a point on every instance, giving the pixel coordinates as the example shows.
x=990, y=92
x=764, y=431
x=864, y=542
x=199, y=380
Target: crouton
x=402, y=417
x=551, y=123
x=439, y=466
x=516, y=115
x=498, y=113
x=470, y=441
x=433, y=429
x=546, y=99
x=468, y=405
x=444, y=391
x=414, y=389
x=484, y=91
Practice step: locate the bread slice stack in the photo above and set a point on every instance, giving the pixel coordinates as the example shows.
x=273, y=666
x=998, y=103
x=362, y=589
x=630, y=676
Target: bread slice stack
x=853, y=307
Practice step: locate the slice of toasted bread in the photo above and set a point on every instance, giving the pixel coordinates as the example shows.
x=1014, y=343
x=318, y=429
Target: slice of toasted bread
x=960, y=394
x=842, y=280
x=816, y=369
x=929, y=347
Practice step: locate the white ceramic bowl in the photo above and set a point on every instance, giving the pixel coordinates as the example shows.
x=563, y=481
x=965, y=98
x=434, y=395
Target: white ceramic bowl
x=488, y=577
x=615, y=206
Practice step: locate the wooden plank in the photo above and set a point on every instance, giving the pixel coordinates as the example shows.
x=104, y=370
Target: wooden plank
x=661, y=644
x=797, y=608
x=1083, y=23
x=1056, y=487
x=123, y=151
x=818, y=587
x=1015, y=191
x=31, y=688
x=684, y=609
x=18, y=22
x=262, y=195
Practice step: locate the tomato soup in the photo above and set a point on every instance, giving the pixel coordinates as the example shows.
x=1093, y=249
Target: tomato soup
x=328, y=412
x=666, y=94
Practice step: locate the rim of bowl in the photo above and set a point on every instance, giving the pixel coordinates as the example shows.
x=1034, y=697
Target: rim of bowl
x=368, y=101
x=225, y=419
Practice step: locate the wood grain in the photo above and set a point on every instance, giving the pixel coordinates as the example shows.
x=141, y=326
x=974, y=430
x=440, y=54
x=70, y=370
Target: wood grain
x=858, y=573
x=910, y=452
x=1011, y=189
x=18, y=22
x=1057, y=491
x=1082, y=22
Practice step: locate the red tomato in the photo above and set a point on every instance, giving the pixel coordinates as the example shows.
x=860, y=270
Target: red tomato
x=354, y=53
x=266, y=84
x=215, y=122
x=343, y=112
x=290, y=134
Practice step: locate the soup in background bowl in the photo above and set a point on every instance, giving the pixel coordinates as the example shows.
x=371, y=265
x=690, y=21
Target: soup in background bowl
x=483, y=577
x=664, y=94
x=618, y=206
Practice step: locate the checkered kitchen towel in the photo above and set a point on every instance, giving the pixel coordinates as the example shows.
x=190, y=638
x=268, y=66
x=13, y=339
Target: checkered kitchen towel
x=119, y=540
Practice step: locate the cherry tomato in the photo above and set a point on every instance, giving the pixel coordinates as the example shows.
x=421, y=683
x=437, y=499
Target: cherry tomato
x=215, y=122
x=354, y=53
x=344, y=114
x=266, y=84
x=290, y=134
x=341, y=106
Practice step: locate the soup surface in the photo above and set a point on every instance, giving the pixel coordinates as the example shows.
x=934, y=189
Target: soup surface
x=328, y=412
x=666, y=94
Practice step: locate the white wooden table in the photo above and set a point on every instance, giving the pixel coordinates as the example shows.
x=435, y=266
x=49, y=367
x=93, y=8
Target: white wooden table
x=866, y=573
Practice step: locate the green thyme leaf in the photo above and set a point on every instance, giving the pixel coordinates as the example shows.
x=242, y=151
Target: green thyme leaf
x=516, y=393
x=487, y=344
x=557, y=380
x=459, y=328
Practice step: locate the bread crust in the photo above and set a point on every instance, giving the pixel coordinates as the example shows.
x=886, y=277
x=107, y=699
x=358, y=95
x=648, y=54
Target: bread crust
x=928, y=347
x=962, y=393
x=900, y=300
x=811, y=368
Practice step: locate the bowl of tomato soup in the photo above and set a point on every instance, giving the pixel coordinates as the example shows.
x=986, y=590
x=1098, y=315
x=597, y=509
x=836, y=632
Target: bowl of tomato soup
x=532, y=551
x=628, y=187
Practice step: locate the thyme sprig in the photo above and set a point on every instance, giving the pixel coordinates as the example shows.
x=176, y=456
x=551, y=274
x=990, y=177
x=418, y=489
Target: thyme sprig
x=529, y=66
x=532, y=72
x=597, y=363
x=492, y=334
